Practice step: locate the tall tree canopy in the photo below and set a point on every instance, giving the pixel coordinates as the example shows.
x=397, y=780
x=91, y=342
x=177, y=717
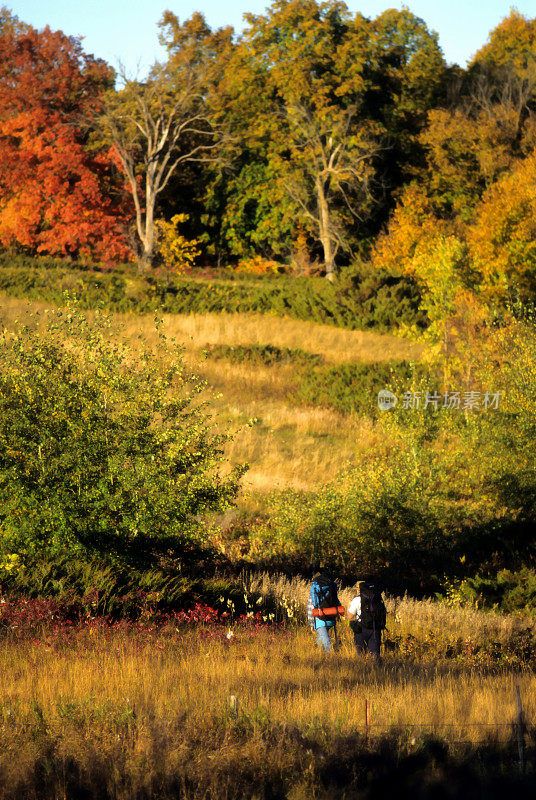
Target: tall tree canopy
x=58, y=195
x=490, y=122
x=511, y=44
x=321, y=100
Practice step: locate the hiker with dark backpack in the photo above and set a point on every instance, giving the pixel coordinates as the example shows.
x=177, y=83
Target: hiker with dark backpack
x=323, y=609
x=367, y=615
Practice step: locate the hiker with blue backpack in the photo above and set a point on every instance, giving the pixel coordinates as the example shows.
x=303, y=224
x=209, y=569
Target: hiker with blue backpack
x=367, y=616
x=323, y=610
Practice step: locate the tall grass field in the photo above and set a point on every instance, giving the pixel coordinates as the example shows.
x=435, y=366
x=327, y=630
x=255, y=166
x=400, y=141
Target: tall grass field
x=214, y=702
x=248, y=707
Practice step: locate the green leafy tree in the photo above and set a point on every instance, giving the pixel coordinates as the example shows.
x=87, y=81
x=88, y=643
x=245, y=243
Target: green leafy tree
x=411, y=78
x=325, y=103
x=101, y=448
x=310, y=57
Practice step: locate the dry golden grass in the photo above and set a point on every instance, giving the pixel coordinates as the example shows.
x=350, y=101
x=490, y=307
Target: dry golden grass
x=284, y=674
x=194, y=331
x=173, y=714
x=335, y=344
x=421, y=618
x=287, y=445
x=123, y=685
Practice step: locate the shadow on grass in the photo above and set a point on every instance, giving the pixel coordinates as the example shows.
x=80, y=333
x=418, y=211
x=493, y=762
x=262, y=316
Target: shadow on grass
x=275, y=763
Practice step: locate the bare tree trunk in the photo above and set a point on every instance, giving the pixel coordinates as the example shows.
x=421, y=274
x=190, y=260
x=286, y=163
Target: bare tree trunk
x=145, y=262
x=148, y=128
x=146, y=227
x=324, y=230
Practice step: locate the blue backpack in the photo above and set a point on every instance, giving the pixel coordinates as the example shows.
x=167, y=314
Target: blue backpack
x=326, y=591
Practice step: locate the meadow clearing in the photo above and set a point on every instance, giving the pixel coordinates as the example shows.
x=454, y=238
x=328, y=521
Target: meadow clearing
x=250, y=708
x=321, y=208
x=217, y=707
x=287, y=444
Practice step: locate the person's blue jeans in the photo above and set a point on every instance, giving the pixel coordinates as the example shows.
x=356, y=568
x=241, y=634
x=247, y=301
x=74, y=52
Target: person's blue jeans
x=322, y=638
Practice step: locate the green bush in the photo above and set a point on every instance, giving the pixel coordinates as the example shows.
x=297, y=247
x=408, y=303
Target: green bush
x=379, y=302
x=508, y=591
x=348, y=388
x=267, y=354
x=354, y=387
x=96, y=456
x=391, y=519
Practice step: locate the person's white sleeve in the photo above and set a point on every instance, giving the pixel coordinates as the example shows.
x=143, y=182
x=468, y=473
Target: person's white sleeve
x=355, y=607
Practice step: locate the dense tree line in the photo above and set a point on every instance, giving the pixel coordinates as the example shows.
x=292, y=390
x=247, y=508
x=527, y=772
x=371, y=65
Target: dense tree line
x=314, y=136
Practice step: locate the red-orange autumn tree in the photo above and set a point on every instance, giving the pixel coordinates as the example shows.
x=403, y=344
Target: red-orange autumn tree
x=59, y=195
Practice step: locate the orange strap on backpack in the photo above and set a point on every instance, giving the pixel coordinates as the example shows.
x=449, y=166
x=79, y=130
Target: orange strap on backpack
x=328, y=612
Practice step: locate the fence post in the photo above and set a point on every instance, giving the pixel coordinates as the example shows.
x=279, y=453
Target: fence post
x=520, y=730
x=233, y=705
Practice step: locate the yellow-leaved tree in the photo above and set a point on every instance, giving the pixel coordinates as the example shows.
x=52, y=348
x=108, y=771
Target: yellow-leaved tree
x=177, y=252
x=502, y=239
x=412, y=223
x=433, y=252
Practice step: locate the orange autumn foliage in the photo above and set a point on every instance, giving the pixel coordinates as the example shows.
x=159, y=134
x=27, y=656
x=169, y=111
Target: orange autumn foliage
x=58, y=195
x=412, y=223
x=468, y=152
x=502, y=240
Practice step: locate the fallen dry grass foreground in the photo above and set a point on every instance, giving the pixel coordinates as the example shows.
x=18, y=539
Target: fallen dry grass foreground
x=230, y=711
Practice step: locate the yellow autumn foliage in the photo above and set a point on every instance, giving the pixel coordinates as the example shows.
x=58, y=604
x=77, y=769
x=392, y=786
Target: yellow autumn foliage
x=502, y=239
x=257, y=265
x=177, y=252
x=412, y=224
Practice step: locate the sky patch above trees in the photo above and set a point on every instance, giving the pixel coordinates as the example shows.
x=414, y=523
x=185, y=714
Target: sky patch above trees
x=132, y=37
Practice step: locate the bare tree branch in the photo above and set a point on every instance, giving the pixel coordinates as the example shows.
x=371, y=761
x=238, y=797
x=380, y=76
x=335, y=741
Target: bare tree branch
x=154, y=130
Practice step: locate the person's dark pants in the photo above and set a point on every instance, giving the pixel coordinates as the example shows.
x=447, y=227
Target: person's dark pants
x=368, y=641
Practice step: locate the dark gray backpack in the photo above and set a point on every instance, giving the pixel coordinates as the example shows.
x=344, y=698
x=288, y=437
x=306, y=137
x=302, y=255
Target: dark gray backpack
x=373, y=611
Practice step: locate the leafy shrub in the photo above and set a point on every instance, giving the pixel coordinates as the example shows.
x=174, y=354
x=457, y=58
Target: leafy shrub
x=380, y=302
x=21, y=261
x=266, y=354
x=348, y=388
x=385, y=520
x=257, y=265
x=95, y=455
x=354, y=387
x=177, y=252
x=507, y=591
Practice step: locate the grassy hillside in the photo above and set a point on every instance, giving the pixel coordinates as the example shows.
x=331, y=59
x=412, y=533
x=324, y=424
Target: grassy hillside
x=171, y=697
x=286, y=442
x=418, y=497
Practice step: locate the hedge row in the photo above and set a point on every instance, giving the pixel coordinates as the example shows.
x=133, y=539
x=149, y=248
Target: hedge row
x=379, y=301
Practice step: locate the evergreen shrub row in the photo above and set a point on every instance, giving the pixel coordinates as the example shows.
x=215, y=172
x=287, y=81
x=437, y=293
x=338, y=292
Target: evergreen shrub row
x=356, y=300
